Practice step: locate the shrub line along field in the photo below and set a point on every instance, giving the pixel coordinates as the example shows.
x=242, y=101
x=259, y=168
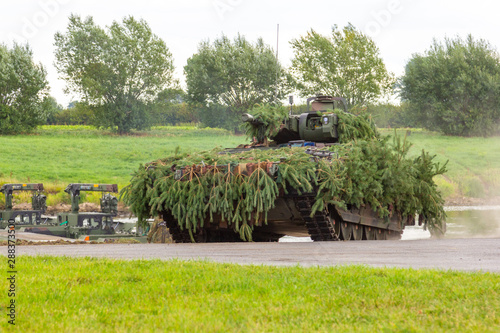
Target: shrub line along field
x=59, y=155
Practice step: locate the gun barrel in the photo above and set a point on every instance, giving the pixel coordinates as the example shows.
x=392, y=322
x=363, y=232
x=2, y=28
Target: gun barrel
x=248, y=118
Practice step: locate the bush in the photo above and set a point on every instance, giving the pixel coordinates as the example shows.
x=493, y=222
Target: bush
x=389, y=115
x=447, y=189
x=174, y=114
x=79, y=114
x=473, y=187
x=219, y=116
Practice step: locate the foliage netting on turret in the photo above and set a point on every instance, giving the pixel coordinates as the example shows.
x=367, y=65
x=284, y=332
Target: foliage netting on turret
x=271, y=118
x=351, y=127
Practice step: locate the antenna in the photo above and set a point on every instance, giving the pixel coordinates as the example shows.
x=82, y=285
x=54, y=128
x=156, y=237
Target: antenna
x=277, y=39
x=277, y=61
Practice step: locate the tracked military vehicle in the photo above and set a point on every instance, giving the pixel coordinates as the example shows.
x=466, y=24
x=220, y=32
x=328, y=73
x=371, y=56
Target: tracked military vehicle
x=300, y=176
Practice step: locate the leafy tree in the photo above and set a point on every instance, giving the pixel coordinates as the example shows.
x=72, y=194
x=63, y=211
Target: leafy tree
x=234, y=76
x=77, y=113
x=51, y=109
x=170, y=107
x=455, y=87
x=23, y=85
x=388, y=115
x=216, y=115
x=347, y=64
x=118, y=71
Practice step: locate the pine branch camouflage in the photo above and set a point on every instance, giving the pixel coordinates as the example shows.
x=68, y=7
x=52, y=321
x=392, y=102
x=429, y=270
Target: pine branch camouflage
x=240, y=189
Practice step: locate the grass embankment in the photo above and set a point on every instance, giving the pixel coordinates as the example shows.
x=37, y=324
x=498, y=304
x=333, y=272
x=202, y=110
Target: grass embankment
x=474, y=163
x=57, y=294
x=59, y=155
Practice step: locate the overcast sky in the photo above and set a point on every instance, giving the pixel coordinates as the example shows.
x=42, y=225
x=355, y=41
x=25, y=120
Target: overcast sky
x=398, y=27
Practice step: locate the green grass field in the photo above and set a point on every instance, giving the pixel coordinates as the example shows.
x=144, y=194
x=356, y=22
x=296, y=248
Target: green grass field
x=57, y=294
x=474, y=163
x=59, y=155
x=64, y=154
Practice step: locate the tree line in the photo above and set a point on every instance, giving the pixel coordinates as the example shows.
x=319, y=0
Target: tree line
x=123, y=74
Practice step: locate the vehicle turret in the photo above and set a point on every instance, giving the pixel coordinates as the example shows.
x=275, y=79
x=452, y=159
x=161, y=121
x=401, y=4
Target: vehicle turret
x=318, y=124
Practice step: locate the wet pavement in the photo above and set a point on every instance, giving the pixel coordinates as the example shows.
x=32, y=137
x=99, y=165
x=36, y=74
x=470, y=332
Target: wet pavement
x=444, y=254
x=472, y=243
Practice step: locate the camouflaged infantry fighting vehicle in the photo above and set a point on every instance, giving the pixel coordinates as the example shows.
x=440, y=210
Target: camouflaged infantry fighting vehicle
x=201, y=200
x=292, y=213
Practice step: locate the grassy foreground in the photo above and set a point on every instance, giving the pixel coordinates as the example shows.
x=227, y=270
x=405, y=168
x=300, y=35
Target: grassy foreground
x=57, y=294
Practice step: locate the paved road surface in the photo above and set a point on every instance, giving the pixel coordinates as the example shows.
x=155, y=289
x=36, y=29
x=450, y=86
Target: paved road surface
x=455, y=254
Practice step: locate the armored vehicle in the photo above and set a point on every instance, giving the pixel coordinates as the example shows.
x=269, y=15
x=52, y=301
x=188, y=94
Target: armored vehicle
x=88, y=225
x=301, y=176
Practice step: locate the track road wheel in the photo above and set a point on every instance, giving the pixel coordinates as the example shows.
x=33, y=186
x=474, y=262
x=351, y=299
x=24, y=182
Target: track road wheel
x=370, y=233
x=380, y=234
x=346, y=230
x=357, y=232
x=393, y=235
